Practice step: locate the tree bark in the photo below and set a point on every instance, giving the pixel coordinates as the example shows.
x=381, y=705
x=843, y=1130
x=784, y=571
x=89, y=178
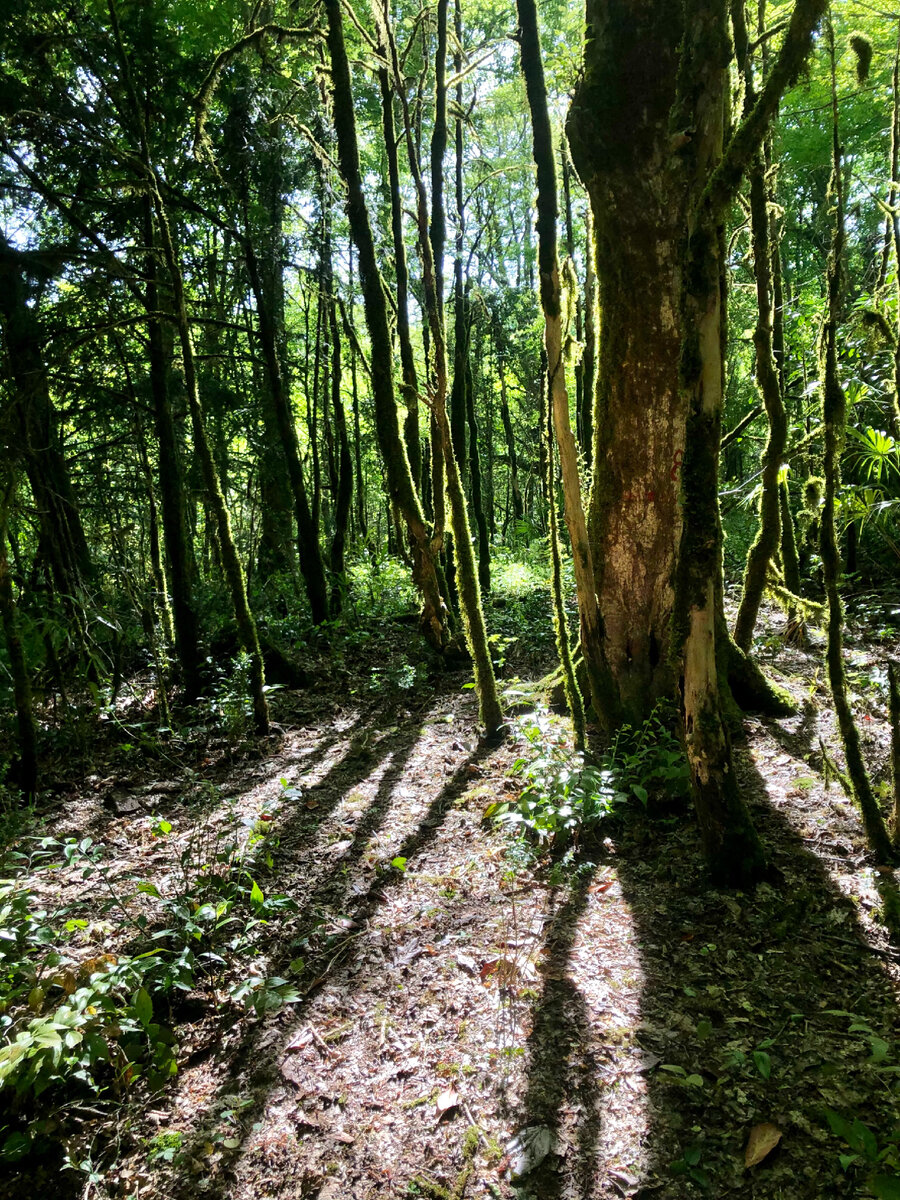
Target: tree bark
x=401, y=489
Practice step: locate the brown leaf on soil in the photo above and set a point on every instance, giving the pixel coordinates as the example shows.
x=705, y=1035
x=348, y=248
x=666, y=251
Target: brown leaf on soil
x=762, y=1141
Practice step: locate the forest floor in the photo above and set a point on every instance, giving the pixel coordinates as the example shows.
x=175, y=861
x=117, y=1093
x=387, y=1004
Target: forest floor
x=461, y=1010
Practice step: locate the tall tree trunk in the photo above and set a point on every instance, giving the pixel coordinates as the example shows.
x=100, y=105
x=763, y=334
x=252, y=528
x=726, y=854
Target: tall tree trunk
x=646, y=129
x=515, y=488
x=634, y=142
x=401, y=489
x=18, y=666
x=834, y=418
x=551, y=302
x=410, y=384
x=36, y=432
x=172, y=490
x=766, y=543
x=589, y=355
x=478, y=507
x=311, y=565
x=215, y=499
x=431, y=250
x=458, y=391
x=343, y=499
x=582, y=404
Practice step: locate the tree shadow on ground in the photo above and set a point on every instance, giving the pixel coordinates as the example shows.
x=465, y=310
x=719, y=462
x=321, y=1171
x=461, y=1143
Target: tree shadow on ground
x=342, y=886
x=762, y=1007
x=563, y=1067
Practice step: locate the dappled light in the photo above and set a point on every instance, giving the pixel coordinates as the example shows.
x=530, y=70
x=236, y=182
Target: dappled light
x=449, y=625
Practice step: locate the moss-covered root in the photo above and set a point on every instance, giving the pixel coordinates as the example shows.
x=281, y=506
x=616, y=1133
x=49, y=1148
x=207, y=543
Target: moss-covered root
x=751, y=690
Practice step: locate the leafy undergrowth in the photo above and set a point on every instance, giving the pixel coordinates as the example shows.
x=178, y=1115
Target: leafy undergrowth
x=314, y=970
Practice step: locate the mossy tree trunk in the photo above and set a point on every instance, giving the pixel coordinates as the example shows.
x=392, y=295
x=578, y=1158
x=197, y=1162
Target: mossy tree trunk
x=214, y=497
x=172, y=491
x=633, y=135
x=400, y=486
x=311, y=566
x=35, y=432
x=765, y=545
x=647, y=134
x=410, y=383
x=582, y=401
x=834, y=416
x=432, y=239
x=571, y=689
x=515, y=488
x=551, y=303
x=18, y=666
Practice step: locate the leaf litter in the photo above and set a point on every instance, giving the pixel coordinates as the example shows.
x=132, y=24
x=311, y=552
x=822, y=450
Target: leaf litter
x=467, y=1020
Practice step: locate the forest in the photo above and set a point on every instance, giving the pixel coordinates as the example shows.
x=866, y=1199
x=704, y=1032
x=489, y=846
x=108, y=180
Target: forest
x=449, y=620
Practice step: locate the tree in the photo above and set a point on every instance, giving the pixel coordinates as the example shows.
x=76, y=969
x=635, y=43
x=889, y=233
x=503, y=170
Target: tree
x=648, y=136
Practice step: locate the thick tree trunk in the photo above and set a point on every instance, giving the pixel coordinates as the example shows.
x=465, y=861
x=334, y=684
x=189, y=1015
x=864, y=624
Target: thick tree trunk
x=620, y=139
x=634, y=128
x=647, y=127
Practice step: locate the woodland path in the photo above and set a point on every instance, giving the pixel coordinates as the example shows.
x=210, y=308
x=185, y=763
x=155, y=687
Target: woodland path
x=642, y=1019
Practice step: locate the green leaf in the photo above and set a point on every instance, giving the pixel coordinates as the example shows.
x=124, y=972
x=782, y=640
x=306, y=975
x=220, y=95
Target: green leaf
x=862, y=1138
x=880, y=1049
x=847, y=1160
x=399, y=863
x=886, y=1187
x=763, y=1063
x=257, y=899
x=148, y=889
x=14, y=1147
x=143, y=1006
x=838, y=1124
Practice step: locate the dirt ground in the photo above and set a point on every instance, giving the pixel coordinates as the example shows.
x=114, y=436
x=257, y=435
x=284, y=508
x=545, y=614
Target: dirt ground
x=464, y=1012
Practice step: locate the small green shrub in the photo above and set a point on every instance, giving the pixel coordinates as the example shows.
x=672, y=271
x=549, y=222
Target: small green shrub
x=565, y=797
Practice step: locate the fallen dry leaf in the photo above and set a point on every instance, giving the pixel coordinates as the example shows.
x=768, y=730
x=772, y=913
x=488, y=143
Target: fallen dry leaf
x=762, y=1141
x=446, y=1101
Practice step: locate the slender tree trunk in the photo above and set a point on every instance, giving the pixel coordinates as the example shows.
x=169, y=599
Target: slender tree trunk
x=589, y=355
x=410, y=384
x=515, y=488
x=431, y=249
x=218, y=511
x=311, y=565
x=768, y=538
x=36, y=433
x=400, y=486
x=18, y=668
x=172, y=491
x=458, y=391
x=481, y=522
x=344, y=497
x=582, y=404
x=564, y=650
x=551, y=301
x=834, y=416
